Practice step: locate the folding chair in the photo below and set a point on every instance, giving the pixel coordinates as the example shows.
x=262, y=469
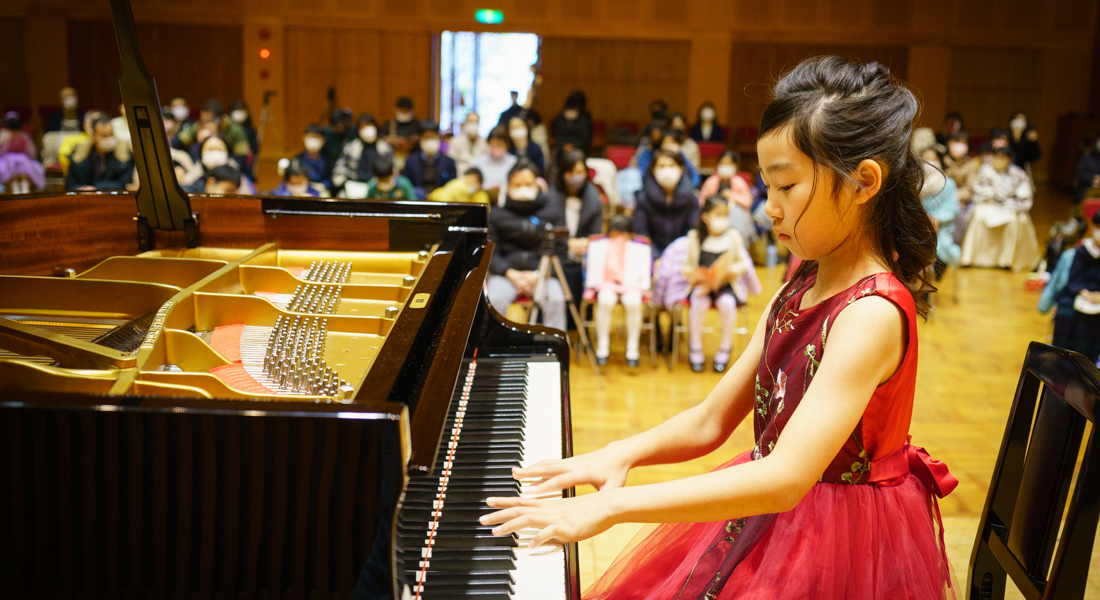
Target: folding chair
x=649, y=317
x=680, y=331
x=1019, y=531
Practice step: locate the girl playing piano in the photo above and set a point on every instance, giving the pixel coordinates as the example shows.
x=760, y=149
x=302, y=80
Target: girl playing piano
x=833, y=501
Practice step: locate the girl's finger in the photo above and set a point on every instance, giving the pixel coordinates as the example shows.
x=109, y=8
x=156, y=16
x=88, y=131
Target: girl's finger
x=521, y=522
x=559, y=482
x=507, y=501
x=542, y=537
x=542, y=468
x=502, y=516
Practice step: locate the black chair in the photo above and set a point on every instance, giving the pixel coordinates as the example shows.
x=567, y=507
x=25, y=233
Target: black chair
x=1019, y=532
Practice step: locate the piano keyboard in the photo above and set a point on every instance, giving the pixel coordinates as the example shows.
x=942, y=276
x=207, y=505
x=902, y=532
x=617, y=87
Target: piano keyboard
x=506, y=412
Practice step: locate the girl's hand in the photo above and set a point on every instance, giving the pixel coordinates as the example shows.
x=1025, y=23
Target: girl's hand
x=563, y=520
x=605, y=469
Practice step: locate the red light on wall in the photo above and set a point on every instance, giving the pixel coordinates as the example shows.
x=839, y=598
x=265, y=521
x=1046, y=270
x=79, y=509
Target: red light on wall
x=265, y=53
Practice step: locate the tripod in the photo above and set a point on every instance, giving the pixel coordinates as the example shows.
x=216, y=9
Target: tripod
x=548, y=259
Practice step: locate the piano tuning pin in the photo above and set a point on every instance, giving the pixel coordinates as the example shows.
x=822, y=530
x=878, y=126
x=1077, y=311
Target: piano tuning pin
x=391, y=312
x=409, y=280
x=422, y=255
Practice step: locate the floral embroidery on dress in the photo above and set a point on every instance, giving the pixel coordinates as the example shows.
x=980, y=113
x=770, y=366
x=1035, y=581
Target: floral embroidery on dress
x=761, y=398
x=780, y=391
x=860, y=467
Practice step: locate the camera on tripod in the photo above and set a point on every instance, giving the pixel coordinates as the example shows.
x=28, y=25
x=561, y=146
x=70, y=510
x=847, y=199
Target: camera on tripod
x=550, y=235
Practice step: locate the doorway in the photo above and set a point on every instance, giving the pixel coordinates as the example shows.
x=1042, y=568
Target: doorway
x=477, y=72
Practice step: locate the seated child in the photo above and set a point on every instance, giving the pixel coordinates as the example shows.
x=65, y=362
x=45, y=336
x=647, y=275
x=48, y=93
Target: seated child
x=316, y=166
x=1077, y=323
x=387, y=183
x=619, y=270
x=463, y=189
x=1000, y=233
x=940, y=200
x=295, y=183
x=726, y=182
x=222, y=180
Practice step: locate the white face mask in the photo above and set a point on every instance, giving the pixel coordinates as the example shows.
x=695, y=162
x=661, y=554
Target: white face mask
x=726, y=171
x=718, y=225
x=69, y=102
x=298, y=190
x=314, y=144
x=571, y=114
x=403, y=117
x=526, y=192
x=212, y=159
x=1017, y=124
x=240, y=116
x=106, y=144
x=368, y=133
x=668, y=177
x=473, y=188
x=181, y=112
x=707, y=114
x=957, y=149
x=1096, y=234
x=470, y=129
x=518, y=134
x=430, y=146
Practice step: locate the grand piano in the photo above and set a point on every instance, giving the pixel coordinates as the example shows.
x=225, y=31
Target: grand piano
x=206, y=396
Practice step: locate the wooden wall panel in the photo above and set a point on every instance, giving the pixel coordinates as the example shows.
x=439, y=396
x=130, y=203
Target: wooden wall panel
x=196, y=61
x=14, y=82
x=619, y=77
x=369, y=69
x=754, y=69
x=987, y=84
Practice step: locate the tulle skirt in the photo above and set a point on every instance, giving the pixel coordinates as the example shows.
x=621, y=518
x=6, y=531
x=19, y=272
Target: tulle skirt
x=842, y=541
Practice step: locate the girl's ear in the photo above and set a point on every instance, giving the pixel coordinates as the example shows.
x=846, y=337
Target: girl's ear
x=868, y=175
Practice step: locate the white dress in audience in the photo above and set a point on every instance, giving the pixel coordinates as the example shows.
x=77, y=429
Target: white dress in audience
x=1000, y=233
x=634, y=271
x=463, y=150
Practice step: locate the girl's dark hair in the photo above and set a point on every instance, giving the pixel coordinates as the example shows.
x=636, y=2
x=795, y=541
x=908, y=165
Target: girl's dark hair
x=566, y=163
x=676, y=156
x=620, y=223
x=733, y=155
x=840, y=113
x=202, y=146
x=500, y=132
x=1096, y=218
x=711, y=203
x=959, y=136
x=367, y=119
x=294, y=169
x=524, y=164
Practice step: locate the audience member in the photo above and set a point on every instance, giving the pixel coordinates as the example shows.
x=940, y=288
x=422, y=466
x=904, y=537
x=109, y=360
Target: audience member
x=339, y=133
x=467, y=144
x=402, y=132
x=1024, y=141
x=239, y=113
x=1088, y=170
x=512, y=111
x=520, y=145
x=20, y=171
x=572, y=128
x=355, y=167
x=574, y=196
x=677, y=123
x=222, y=180
x=952, y=124
x=1000, y=233
x=706, y=127
x=1077, y=323
x=182, y=163
x=962, y=168
x=387, y=183
x=462, y=189
x=619, y=270
x=940, y=199
x=428, y=168
x=121, y=126
x=518, y=229
x=726, y=182
x=100, y=163
x=496, y=163
x=667, y=207
x=296, y=183
x=670, y=141
x=629, y=182
x=311, y=160
x=998, y=138
x=69, y=117
x=658, y=118
x=213, y=152
x=538, y=133
x=181, y=112
x=212, y=121
x=71, y=141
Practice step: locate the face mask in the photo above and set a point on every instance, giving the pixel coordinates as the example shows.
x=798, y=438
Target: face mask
x=1017, y=124
x=571, y=114
x=526, y=192
x=574, y=181
x=314, y=144
x=239, y=116
x=430, y=146
x=212, y=159
x=518, y=134
x=69, y=102
x=298, y=190
x=470, y=129
x=181, y=112
x=368, y=133
x=958, y=149
x=106, y=144
x=668, y=177
x=726, y=171
x=718, y=225
x=473, y=188
x=403, y=117
x=707, y=114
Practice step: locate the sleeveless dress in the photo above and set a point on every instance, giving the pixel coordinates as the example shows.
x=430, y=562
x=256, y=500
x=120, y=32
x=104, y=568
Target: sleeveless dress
x=869, y=530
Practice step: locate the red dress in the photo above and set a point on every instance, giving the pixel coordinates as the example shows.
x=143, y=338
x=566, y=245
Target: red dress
x=866, y=531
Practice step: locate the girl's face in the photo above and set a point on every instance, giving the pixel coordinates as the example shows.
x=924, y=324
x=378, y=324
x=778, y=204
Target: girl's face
x=717, y=219
x=809, y=218
x=497, y=149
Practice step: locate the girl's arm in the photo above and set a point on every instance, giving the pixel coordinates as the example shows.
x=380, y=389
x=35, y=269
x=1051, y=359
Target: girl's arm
x=692, y=433
x=865, y=348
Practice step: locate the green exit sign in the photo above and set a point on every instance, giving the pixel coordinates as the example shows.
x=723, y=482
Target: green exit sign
x=489, y=16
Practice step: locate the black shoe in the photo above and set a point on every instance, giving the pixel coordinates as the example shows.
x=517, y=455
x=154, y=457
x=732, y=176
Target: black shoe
x=632, y=363
x=719, y=367
x=697, y=367
x=601, y=361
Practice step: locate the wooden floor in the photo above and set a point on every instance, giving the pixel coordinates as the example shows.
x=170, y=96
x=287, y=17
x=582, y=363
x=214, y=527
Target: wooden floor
x=971, y=354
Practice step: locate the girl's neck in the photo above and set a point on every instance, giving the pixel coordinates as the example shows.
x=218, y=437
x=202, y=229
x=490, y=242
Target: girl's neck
x=850, y=262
